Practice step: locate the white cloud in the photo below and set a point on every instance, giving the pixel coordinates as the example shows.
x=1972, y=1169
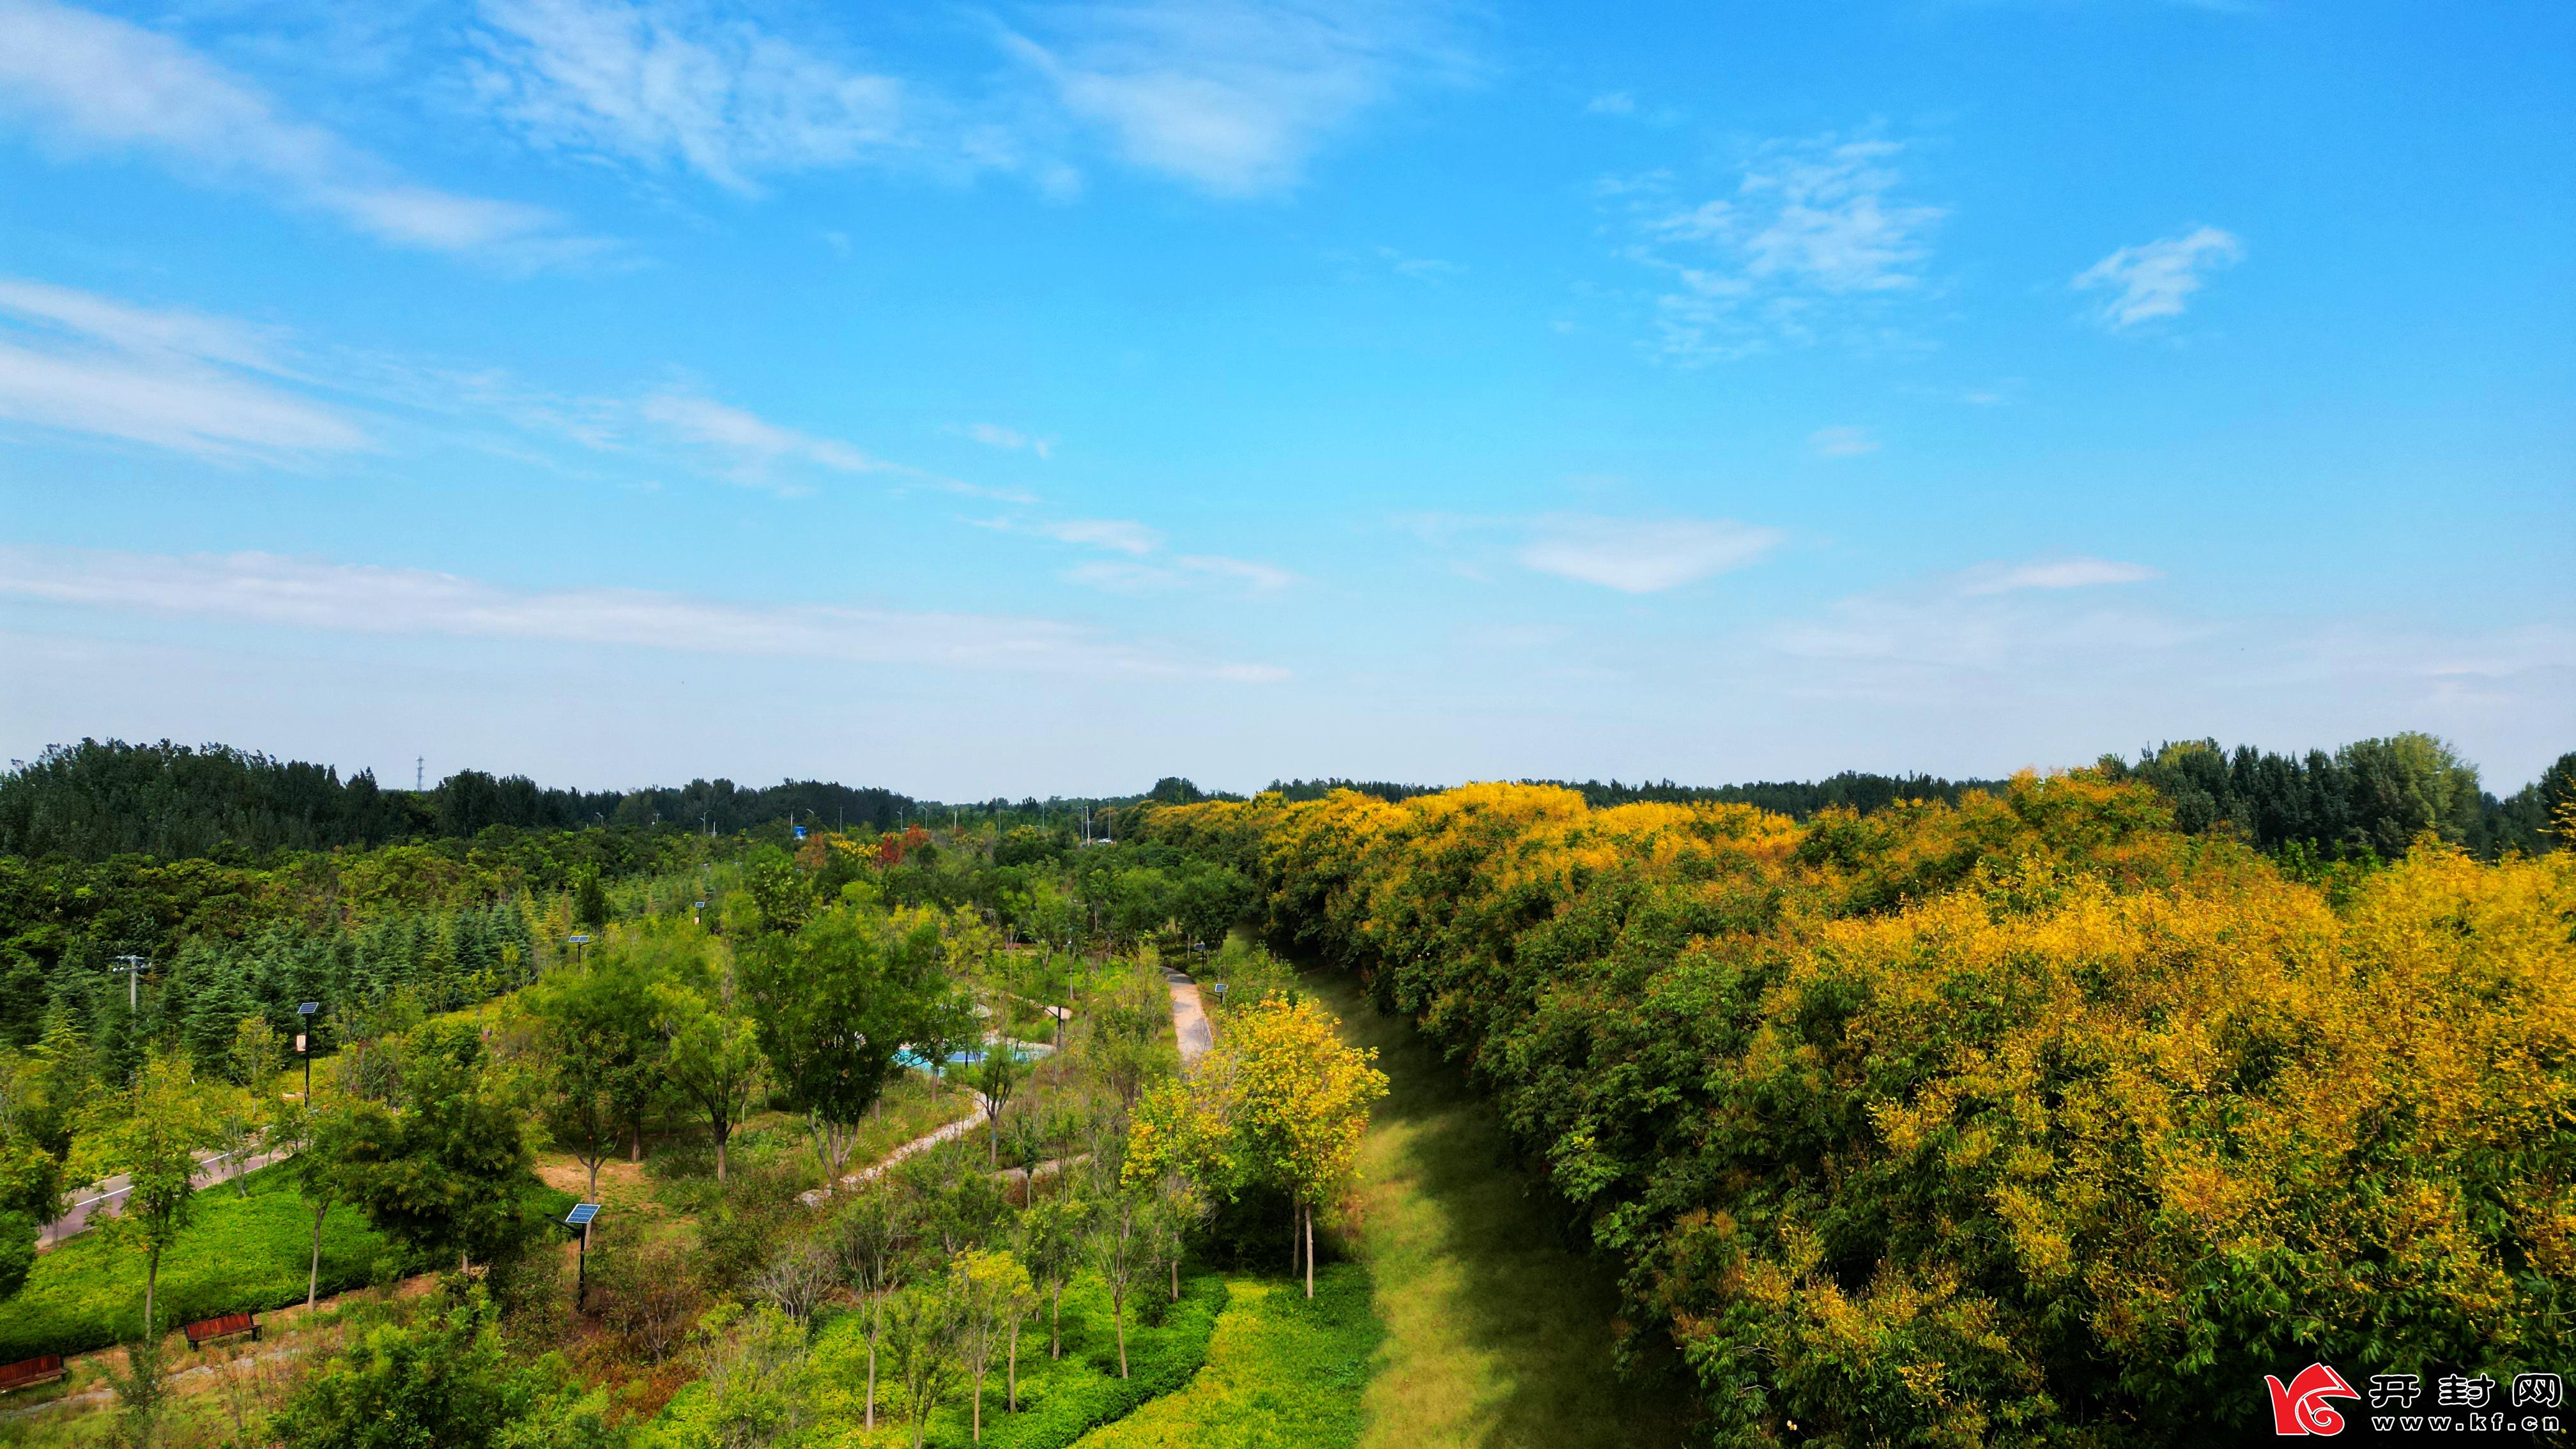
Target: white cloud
x=748, y=446
x=1115, y=534
x=356, y=599
x=2156, y=279
x=994, y=435
x=89, y=82
x=1812, y=232
x=1842, y=442
x=708, y=90
x=1643, y=556
x=1612, y=103
x=1182, y=572
x=1233, y=96
x=78, y=362
x=2067, y=573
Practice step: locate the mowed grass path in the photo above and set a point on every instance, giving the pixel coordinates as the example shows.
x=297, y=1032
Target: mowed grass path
x=1496, y=1335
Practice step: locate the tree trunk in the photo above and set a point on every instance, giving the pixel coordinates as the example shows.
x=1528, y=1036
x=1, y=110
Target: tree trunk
x=1118, y=1315
x=1176, y=1277
x=1310, y=1252
x=872, y=1382
x=594, y=1179
x=720, y=1156
x=313, y=1277
x=1292, y=1237
x=152, y=1280
x=1055, y=1319
x=1011, y=1396
x=635, y=1140
x=979, y=1408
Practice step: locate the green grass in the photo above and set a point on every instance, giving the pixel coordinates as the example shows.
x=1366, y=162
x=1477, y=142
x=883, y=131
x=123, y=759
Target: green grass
x=240, y=1253
x=1282, y=1373
x=1496, y=1335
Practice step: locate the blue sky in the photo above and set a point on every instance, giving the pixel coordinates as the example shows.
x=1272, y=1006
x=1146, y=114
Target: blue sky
x=1029, y=399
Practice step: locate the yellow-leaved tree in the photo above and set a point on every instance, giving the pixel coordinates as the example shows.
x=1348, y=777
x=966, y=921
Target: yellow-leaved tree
x=1280, y=1101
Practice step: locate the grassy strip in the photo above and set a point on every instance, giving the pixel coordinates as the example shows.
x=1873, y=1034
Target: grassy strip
x=1282, y=1373
x=1495, y=1334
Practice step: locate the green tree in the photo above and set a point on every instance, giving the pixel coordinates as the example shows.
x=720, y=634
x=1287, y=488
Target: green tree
x=246, y=1117
x=832, y=1007
x=870, y=1237
x=779, y=892
x=448, y=1173
x=714, y=1052
x=1054, y=1236
x=151, y=1134
x=590, y=902
x=994, y=1296
x=1120, y=1248
x=921, y=1342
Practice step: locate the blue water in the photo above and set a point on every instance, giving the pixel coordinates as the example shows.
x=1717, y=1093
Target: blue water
x=920, y=1063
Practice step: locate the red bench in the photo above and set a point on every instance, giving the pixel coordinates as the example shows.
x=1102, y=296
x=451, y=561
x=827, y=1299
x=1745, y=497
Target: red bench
x=206, y=1330
x=42, y=1369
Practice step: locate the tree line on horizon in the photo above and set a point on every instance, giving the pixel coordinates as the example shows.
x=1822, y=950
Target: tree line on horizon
x=98, y=799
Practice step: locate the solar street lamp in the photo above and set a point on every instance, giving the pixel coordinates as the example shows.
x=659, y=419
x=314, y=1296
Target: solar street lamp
x=579, y=1217
x=577, y=942
x=304, y=1044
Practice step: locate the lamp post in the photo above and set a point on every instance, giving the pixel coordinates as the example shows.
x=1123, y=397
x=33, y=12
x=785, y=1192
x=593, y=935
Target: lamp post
x=577, y=942
x=304, y=1044
x=133, y=968
x=580, y=1217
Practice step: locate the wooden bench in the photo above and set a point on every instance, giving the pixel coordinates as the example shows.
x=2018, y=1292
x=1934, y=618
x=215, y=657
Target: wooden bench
x=44, y=1368
x=206, y=1330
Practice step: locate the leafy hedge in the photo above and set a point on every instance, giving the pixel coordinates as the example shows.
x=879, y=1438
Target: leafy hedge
x=2026, y=1120
x=1282, y=1373
x=240, y=1253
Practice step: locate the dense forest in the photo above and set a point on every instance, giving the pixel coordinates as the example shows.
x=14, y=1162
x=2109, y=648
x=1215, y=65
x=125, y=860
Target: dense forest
x=2033, y=1118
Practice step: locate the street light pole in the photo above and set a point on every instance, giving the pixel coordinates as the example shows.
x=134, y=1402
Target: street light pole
x=304, y=1044
x=133, y=967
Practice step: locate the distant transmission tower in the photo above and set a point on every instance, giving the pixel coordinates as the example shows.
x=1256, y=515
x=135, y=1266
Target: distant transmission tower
x=419, y=766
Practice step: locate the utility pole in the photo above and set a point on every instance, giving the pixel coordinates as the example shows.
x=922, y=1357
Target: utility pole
x=133, y=967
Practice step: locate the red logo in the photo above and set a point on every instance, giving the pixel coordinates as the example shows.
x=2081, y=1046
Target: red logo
x=2301, y=1407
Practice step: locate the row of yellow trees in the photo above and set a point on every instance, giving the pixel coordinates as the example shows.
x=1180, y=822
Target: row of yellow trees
x=2025, y=1120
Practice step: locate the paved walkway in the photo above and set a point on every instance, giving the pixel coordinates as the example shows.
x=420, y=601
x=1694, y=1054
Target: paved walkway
x=108, y=1198
x=1189, y=1019
x=922, y=1143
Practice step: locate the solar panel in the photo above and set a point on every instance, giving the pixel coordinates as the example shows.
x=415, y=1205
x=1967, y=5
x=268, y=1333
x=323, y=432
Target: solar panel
x=308, y=1008
x=582, y=1213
